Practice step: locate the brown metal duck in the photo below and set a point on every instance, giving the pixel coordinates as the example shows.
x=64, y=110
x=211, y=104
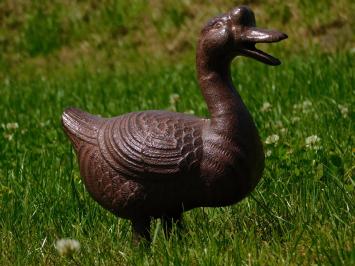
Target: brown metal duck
x=158, y=164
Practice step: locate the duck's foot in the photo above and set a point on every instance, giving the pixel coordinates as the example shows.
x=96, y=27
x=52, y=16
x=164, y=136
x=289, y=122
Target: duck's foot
x=141, y=230
x=169, y=220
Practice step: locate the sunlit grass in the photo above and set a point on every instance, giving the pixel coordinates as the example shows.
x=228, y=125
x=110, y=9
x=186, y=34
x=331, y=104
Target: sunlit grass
x=302, y=212
x=44, y=37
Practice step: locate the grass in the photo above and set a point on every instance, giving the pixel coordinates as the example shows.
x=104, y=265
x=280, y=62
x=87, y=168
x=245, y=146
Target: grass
x=302, y=211
x=42, y=38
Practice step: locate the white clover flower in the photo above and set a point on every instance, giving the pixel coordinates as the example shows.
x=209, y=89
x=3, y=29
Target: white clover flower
x=44, y=124
x=304, y=107
x=174, y=98
x=8, y=136
x=295, y=119
x=297, y=106
x=283, y=130
x=67, y=247
x=290, y=151
x=266, y=107
x=312, y=142
x=268, y=153
x=190, y=112
x=306, y=104
x=272, y=139
x=12, y=125
x=343, y=110
x=278, y=124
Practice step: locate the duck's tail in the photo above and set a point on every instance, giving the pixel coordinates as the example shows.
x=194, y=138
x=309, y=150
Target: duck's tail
x=81, y=126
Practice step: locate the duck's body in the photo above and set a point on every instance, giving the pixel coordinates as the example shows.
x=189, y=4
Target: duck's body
x=155, y=164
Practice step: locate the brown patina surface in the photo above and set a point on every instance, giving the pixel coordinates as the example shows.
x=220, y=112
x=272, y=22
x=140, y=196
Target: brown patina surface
x=158, y=164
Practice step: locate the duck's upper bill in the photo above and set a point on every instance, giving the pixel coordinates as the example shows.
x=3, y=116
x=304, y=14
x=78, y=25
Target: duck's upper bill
x=254, y=35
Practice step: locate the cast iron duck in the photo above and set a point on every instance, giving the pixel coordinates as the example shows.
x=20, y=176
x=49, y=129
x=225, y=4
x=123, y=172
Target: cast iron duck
x=158, y=164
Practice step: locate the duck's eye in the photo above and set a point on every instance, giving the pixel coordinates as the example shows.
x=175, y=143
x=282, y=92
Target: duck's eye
x=218, y=25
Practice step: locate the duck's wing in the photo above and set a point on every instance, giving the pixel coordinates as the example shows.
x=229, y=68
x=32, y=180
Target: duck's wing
x=152, y=144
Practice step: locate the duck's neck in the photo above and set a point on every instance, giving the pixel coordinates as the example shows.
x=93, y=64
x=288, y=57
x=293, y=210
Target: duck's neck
x=223, y=101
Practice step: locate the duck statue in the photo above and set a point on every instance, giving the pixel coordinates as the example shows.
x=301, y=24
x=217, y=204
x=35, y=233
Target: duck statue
x=159, y=164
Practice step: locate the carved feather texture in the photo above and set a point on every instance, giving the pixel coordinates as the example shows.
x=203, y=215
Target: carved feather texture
x=151, y=144
x=81, y=124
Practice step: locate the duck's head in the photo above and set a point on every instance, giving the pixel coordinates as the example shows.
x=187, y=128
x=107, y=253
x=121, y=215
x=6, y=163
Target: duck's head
x=235, y=33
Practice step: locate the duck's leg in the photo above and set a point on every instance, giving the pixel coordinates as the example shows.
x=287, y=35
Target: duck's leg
x=141, y=229
x=169, y=220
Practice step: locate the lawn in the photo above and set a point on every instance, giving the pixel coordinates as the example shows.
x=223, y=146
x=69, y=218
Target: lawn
x=302, y=211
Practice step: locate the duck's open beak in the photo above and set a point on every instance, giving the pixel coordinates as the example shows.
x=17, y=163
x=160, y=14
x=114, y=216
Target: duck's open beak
x=252, y=35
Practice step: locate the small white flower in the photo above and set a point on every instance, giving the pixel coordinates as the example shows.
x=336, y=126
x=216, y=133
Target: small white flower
x=12, y=125
x=266, y=107
x=283, y=130
x=295, y=119
x=307, y=104
x=272, y=139
x=290, y=151
x=343, y=110
x=174, y=98
x=190, y=112
x=304, y=107
x=67, y=247
x=268, y=153
x=278, y=124
x=312, y=142
x=8, y=136
x=47, y=123
x=297, y=106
